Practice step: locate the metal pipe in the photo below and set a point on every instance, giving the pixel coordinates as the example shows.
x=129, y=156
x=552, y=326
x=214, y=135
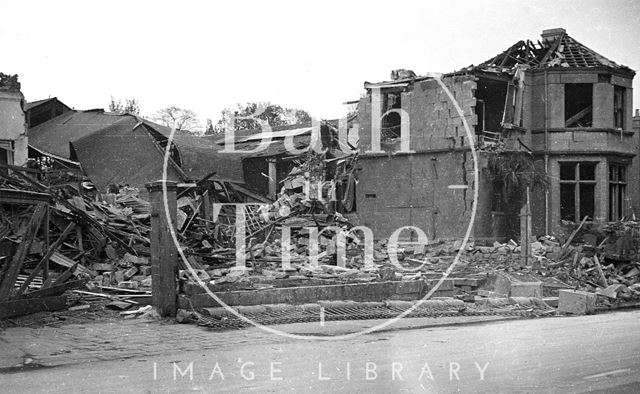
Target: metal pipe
x=546, y=150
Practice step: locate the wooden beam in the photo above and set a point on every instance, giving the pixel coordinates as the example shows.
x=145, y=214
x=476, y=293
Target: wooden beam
x=65, y=276
x=55, y=290
x=575, y=118
x=47, y=241
x=46, y=257
x=552, y=49
x=64, y=261
x=12, y=271
x=27, y=306
x=603, y=278
x=570, y=239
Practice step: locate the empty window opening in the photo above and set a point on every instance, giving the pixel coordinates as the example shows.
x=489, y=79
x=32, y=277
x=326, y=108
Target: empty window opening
x=6, y=154
x=618, y=107
x=391, y=121
x=490, y=104
x=578, y=104
x=577, y=190
x=617, y=191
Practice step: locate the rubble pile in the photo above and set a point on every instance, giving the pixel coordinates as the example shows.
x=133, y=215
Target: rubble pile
x=210, y=244
x=99, y=247
x=62, y=241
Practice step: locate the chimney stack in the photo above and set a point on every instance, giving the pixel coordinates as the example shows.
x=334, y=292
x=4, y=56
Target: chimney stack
x=552, y=34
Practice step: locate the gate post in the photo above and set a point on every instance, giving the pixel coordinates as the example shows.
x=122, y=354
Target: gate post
x=164, y=254
x=525, y=233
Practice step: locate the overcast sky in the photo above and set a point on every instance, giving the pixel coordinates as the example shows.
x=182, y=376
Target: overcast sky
x=311, y=55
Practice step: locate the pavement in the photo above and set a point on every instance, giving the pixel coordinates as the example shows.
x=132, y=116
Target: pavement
x=51, y=346
x=595, y=353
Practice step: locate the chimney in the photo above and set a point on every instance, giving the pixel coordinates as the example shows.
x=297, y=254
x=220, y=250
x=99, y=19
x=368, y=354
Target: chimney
x=552, y=34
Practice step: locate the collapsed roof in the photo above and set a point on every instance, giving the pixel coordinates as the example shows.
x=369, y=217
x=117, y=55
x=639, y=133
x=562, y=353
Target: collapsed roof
x=556, y=50
x=94, y=138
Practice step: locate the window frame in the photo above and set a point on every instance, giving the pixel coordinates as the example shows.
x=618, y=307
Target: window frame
x=9, y=147
x=577, y=183
x=617, y=188
x=619, y=93
x=587, y=112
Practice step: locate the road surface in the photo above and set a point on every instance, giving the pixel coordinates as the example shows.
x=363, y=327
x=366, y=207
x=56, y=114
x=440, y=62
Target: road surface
x=568, y=354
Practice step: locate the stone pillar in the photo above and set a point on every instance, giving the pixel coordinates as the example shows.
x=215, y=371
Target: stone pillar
x=164, y=253
x=525, y=232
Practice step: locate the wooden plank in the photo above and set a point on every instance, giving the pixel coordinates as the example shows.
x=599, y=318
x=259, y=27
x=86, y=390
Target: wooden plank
x=26, y=306
x=55, y=290
x=65, y=275
x=12, y=271
x=573, y=234
x=46, y=257
x=47, y=240
x=575, y=118
x=64, y=261
x=603, y=278
x=109, y=296
x=206, y=209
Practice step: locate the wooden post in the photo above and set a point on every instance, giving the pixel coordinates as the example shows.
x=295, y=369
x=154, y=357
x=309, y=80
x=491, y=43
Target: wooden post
x=206, y=209
x=273, y=174
x=164, y=253
x=47, y=241
x=12, y=270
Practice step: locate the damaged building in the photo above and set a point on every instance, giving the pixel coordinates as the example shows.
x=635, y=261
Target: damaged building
x=551, y=115
x=13, y=128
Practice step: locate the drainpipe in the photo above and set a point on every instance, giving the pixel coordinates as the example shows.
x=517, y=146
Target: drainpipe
x=546, y=150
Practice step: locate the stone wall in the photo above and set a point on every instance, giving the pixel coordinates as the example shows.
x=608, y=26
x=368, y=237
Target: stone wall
x=12, y=120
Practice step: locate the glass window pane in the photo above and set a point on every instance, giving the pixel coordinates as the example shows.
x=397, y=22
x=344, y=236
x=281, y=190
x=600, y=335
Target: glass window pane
x=623, y=173
x=613, y=172
x=621, y=201
x=567, y=171
x=587, y=171
x=612, y=203
x=587, y=200
x=567, y=202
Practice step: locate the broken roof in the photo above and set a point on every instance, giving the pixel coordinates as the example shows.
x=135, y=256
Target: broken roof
x=200, y=156
x=557, y=49
x=277, y=132
x=273, y=140
x=125, y=152
x=53, y=136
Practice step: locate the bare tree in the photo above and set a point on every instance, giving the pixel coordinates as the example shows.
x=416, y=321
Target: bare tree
x=129, y=106
x=248, y=117
x=178, y=118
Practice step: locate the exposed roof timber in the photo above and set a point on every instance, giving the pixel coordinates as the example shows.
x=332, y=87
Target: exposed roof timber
x=554, y=52
x=269, y=135
x=53, y=156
